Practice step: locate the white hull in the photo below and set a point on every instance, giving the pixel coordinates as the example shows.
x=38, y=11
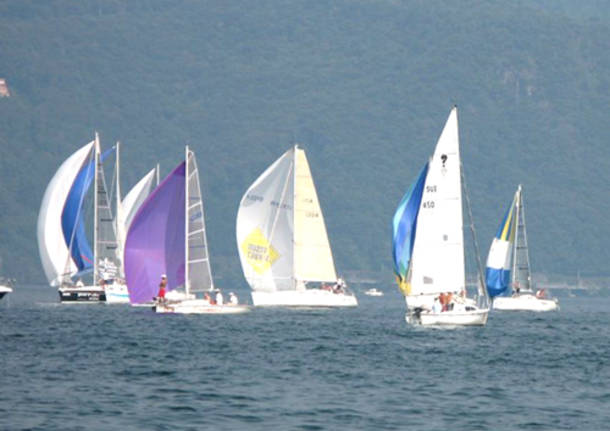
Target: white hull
x=525, y=303
x=198, y=306
x=116, y=294
x=373, y=292
x=4, y=290
x=303, y=298
x=477, y=317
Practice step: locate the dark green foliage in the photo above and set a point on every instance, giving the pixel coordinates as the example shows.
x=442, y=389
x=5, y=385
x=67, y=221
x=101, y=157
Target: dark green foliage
x=363, y=86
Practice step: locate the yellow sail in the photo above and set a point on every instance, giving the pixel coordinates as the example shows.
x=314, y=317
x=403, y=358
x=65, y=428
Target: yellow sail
x=313, y=259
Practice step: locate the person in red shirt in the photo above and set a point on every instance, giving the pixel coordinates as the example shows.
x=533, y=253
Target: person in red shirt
x=162, y=286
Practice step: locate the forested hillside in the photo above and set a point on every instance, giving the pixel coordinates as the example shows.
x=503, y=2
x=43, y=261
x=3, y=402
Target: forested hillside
x=364, y=86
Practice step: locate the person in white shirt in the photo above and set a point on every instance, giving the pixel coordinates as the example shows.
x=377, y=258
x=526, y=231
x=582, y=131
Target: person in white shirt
x=436, y=306
x=233, y=299
x=219, y=299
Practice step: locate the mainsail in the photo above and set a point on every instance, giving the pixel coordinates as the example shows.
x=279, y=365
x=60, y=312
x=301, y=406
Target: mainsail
x=107, y=262
x=281, y=236
x=313, y=259
x=522, y=277
x=438, y=252
x=53, y=243
x=498, y=271
x=198, y=270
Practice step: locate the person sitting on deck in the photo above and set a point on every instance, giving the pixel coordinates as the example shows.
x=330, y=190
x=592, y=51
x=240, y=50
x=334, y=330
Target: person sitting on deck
x=233, y=299
x=219, y=298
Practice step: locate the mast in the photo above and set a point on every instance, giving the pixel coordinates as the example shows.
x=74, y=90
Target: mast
x=95, y=225
x=187, y=284
x=157, y=173
x=118, y=180
x=294, y=203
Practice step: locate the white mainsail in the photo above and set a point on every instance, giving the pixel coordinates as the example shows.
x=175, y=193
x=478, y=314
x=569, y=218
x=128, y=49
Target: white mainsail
x=521, y=274
x=198, y=276
x=281, y=235
x=438, y=251
x=107, y=262
x=54, y=252
x=313, y=259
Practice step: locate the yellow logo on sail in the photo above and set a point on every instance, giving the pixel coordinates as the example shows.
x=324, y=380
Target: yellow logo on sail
x=259, y=253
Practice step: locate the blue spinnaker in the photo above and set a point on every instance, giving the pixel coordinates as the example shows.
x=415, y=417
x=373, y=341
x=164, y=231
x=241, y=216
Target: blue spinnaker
x=72, y=220
x=404, y=225
x=497, y=273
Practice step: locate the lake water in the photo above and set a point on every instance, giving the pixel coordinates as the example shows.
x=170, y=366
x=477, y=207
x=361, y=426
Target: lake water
x=73, y=367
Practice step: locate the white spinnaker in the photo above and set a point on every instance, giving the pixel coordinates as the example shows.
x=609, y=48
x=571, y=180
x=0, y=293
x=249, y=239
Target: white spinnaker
x=52, y=247
x=313, y=259
x=130, y=203
x=438, y=252
x=264, y=228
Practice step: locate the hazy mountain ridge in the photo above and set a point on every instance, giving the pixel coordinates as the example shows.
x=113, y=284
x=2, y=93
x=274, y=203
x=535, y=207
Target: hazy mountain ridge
x=365, y=87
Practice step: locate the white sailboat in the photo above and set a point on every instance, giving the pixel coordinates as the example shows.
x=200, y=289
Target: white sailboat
x=167, y=238
x=282, y=240
x=5, y=287
x=62, y=241
x=428, y=241
x=508, y=265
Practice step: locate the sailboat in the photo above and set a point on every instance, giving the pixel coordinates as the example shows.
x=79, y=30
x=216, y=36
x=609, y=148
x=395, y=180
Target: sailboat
x=428, y=241
x=62, y=242
x=282, y=241
x=5, y=287
x=167, y=237
x=508, y=265
x=125, y=211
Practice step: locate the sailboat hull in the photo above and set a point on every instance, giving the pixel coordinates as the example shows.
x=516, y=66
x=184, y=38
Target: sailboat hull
x=198, y=306
x=117, y=293
x=525, y=303
x=4, y=290
x=303, y=298
x=85, y=294
x=450, y=318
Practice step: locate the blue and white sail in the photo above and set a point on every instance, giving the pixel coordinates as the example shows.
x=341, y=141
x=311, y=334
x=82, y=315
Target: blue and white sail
x=62, y=240
x=498, y=271
x=404, y=225
x=60, y=218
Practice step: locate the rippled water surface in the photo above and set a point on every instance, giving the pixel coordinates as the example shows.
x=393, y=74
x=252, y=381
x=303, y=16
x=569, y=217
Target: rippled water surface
x=71, y=367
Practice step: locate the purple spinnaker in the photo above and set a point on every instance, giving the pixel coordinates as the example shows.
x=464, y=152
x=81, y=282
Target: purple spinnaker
x=155, y=240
